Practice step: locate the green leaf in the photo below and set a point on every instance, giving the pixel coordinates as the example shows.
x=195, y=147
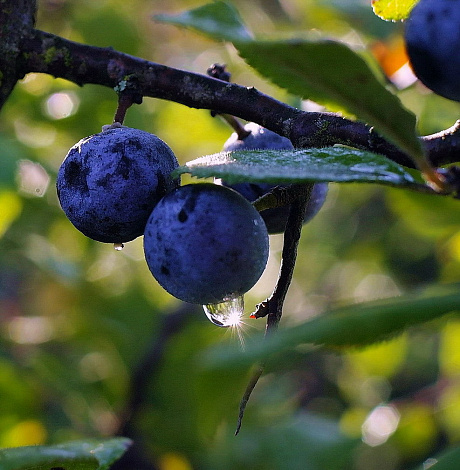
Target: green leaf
x=308, y=440
x=445, y=461
x=330, y=72
x=77, y=455
x=220, y=20
x=393, y=10
x=107, y=452
x=340, y=164
x=351, y=326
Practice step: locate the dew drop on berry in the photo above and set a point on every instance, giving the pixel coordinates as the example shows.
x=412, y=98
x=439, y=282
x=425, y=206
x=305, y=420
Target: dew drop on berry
x=118, y=246
x=227, y=313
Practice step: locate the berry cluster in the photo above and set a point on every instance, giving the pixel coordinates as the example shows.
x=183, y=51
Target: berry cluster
x=204, y=243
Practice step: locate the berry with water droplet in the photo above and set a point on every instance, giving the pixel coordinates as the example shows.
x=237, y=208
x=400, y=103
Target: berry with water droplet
x=432, y=38
x=264, y=139
x=227, y=313
x=109, y=182
x=205, y=243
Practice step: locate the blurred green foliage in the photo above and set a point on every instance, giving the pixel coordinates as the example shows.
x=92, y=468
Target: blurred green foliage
x=77, y=318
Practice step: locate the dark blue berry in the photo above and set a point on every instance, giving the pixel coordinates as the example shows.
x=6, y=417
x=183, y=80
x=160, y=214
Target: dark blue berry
x=109, y=182
x=205, y=243
x=432, y=38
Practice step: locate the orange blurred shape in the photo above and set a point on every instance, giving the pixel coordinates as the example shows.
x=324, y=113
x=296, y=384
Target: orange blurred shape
x=391, y=55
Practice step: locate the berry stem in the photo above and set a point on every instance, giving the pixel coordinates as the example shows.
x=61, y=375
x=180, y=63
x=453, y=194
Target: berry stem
x=434, y=178
x=236, y=126
x=221, y=73
x=125, y=100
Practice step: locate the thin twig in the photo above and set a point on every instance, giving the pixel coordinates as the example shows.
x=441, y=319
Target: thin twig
x=273, y=306
x=289, y=255
x=247, y=393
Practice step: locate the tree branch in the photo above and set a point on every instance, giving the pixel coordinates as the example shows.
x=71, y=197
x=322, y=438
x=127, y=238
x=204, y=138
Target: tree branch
x=84, y=64
x=17, y=19
x=142, y=377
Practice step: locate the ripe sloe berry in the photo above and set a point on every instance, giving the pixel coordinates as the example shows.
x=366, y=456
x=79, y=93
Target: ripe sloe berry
x=205, y=243
x=109, y=182
x=261, y=138
x=432, y=38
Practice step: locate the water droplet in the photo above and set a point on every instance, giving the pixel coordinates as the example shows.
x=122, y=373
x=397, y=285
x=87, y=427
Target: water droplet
x=226, y=313
x=118, y=246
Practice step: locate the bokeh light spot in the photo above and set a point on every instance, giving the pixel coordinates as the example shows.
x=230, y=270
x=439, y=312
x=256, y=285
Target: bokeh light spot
x=33, y=178
x=174, y=461
x=62, y=105
x=34, y=135
x=30, y=330
x=381, y=423
x=10, y=208
x=25, y=433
